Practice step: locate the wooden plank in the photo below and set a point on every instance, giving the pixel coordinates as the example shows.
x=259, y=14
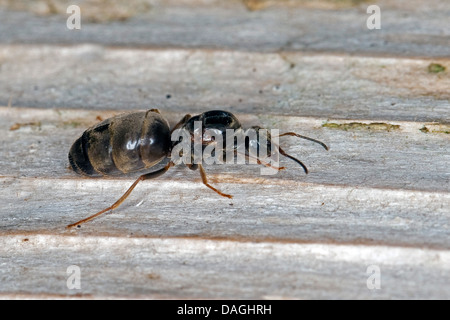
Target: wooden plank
x=302, y=216
x=408, y=28
x=187, y=268
x=399, y=158
x=296, y=84
x=379, y=197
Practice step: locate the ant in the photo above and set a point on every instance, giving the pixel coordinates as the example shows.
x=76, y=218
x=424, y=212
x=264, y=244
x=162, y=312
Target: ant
x=137, y=141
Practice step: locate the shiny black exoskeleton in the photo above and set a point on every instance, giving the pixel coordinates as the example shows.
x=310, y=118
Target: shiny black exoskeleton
x=216, y=121
x=138, y=141
x=125, y=143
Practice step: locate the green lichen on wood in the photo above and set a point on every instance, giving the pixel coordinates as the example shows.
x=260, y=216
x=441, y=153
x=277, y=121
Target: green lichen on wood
x=442, y=128
x=435, y=68
x=424, y=129
x=353, y=126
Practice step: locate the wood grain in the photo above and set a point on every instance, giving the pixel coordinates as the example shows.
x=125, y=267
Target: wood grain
x=380, y=196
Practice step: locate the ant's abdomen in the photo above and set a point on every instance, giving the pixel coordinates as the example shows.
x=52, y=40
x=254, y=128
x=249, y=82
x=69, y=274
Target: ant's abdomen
x=122, y=144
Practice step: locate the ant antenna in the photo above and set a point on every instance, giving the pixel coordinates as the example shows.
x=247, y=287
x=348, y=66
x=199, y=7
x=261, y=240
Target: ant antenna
x=304, y=137
x=295, y=159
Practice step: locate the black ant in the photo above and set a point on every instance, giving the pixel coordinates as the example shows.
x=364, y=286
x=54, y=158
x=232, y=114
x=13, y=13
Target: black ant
x=138, y=141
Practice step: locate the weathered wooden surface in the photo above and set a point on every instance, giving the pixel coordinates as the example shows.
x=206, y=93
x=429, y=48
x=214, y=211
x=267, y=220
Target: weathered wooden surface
x=380, y=196
x=297, y=84
x=409, y=28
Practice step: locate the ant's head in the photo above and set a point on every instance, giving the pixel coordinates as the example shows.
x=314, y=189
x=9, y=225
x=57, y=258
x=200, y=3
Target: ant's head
x=220, y=131
x=261, y=141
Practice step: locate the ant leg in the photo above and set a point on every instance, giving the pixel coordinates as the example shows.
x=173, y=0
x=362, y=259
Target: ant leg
x=259, y=161
x=205, y=182
x=268, y=165
x=147, y=176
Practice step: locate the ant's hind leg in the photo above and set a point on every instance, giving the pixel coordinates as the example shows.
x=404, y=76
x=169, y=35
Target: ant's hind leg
x=147, y=176
x=205, y=182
